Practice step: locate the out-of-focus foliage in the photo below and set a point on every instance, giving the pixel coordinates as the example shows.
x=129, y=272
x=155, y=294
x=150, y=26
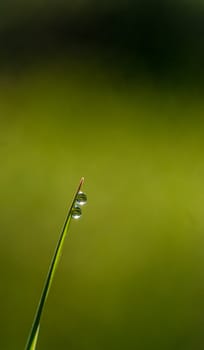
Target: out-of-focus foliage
x=82, y=98
x=161, y=37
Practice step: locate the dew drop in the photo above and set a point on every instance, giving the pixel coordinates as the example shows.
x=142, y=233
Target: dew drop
x=81, y=198
x=76, y=212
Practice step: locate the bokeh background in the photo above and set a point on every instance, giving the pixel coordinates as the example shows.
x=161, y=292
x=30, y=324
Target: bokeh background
x=112, y=91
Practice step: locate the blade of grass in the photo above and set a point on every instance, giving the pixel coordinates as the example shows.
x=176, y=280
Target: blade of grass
x=32, y=339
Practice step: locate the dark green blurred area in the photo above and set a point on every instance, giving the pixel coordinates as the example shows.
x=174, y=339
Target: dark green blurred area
x=79, y=97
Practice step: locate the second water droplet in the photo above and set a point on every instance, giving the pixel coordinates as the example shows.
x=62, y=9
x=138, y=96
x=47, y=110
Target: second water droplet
x=76, y=212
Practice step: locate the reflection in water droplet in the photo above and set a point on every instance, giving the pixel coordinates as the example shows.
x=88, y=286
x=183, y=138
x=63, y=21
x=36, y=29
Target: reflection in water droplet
x=76, y=212
x=81, y=198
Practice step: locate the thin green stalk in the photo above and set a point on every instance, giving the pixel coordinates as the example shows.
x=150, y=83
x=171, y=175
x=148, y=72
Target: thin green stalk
x=32, y=339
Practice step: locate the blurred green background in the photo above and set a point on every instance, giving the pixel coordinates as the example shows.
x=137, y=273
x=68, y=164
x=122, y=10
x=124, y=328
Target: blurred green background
x=112, y=92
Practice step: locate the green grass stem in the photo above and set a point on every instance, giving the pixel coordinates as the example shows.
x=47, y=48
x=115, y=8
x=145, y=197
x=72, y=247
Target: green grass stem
x=33, y=337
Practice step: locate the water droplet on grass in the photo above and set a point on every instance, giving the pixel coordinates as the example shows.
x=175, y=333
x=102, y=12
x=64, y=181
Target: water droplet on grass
x=76, y=212
x=81, y=198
